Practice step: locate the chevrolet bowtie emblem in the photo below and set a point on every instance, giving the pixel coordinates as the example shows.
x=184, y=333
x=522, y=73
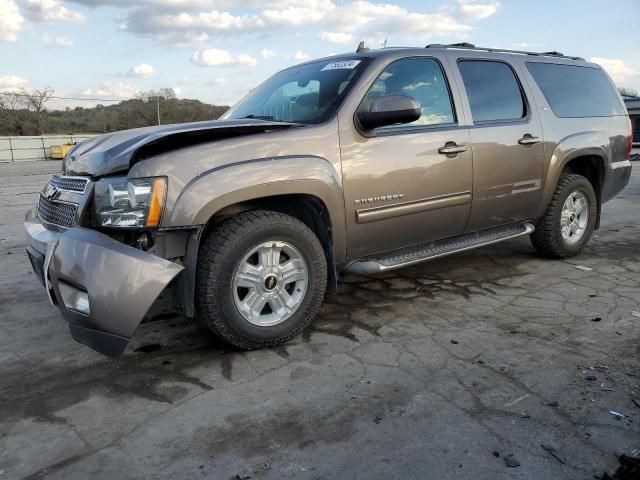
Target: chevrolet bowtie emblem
x=49, y=191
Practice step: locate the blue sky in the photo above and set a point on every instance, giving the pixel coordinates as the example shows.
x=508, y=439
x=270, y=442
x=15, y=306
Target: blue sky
x=215, y=50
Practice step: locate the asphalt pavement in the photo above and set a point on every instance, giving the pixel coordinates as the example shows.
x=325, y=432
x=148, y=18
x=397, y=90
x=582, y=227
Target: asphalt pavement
x=492, y=364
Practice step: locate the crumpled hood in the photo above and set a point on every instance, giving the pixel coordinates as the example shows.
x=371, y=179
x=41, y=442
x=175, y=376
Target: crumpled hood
x=116, y=152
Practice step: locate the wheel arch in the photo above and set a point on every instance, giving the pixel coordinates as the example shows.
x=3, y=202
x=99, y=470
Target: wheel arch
x=585, y=154
x=309, y=209
x=592, y=168
x=308, y=188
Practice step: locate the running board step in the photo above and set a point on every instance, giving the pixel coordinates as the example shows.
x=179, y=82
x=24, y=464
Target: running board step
x=420, y=253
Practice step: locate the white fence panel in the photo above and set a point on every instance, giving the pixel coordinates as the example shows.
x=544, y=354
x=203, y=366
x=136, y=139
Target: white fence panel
x=17, y=149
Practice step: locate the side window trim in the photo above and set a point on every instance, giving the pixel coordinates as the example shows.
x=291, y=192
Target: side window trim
x=402, y=129
x=527, y=105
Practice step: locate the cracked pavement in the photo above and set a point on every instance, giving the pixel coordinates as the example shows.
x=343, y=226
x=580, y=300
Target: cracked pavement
x=449, y=369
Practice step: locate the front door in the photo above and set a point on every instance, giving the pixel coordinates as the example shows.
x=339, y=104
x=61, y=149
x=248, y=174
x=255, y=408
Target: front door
x=508, y=152
x=401, y=188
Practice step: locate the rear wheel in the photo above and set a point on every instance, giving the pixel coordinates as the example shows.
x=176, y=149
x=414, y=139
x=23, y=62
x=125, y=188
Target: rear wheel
x=261, y=278
x=568, y=223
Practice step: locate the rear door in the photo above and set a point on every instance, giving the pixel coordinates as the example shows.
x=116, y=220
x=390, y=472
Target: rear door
x=506, y=135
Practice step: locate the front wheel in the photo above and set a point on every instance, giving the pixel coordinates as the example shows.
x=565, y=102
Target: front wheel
x=261, y=278
x=568, y=223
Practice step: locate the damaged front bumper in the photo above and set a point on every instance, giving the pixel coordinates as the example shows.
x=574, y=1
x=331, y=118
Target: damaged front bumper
x=102, y=287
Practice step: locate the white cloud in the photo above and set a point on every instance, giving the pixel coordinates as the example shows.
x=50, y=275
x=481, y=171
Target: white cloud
x=49, y=11
x=266, y=53
x=182, y=39
x=173, y=4
x=10, y=83
x=183, y=5
x=193, y=22
x=10, y=21
x=337, y=37
x=57, y=41
x=300, y=55
x=215, y=57
x=339, y=21
x=115, y=90
x=214, y=21
x=143, y=70
x=622, y=74
x=472, y=10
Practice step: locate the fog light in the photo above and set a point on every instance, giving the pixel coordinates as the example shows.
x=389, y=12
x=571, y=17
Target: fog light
x=74, y=299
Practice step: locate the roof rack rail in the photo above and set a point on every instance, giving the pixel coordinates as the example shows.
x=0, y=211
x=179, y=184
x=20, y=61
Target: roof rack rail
x=470, y=46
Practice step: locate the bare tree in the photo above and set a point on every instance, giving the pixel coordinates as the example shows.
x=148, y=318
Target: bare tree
x=14, y=113
x=36, y=100
x=152, y=112
x=18, y=114
x=167, y=93
x=155, y=95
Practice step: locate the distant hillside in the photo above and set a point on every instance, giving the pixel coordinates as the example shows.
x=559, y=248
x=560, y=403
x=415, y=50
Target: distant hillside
x=139, y=112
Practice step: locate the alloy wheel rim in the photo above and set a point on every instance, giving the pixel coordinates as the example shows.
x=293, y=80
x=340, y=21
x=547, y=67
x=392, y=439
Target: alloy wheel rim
x=270, y=283
x=574, y=217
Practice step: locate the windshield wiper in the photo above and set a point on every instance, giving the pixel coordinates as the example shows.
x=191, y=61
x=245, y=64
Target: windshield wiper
x=270, y=118
x=259, y=117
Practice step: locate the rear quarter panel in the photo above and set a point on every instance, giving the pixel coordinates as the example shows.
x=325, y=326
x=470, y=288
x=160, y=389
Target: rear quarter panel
x=568, y=138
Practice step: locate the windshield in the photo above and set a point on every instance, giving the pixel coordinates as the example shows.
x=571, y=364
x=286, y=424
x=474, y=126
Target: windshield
x=308, y=93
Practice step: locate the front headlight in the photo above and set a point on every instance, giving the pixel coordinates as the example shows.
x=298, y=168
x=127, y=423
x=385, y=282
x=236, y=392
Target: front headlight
x=130, y=203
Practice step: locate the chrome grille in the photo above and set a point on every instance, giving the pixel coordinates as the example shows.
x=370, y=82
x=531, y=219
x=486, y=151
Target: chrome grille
x=70, y=184
x=57, y=213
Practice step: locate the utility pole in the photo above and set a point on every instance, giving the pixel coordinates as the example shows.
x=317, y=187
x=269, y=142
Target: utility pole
x=158, y=105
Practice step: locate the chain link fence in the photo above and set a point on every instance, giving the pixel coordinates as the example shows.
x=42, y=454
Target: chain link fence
x=19, y=149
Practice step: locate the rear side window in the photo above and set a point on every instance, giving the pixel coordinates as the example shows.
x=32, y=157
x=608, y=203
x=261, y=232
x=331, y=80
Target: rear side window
x=493, y=91
x=576, y=91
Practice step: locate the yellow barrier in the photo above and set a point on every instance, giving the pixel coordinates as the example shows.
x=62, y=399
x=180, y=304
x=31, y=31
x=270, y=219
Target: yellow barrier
x=58, y=152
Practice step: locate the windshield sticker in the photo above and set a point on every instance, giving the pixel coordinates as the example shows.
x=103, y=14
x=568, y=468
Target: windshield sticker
x=344, y=64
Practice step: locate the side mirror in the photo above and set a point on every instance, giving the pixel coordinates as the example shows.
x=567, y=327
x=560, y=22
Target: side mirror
x=390, y=110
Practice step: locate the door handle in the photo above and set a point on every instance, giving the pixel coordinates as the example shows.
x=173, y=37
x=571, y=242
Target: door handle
x=452, y=148
x=529, y=139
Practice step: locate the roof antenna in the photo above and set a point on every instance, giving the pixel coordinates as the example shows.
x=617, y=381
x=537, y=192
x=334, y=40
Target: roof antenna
x=384, y=44
x=361, y=47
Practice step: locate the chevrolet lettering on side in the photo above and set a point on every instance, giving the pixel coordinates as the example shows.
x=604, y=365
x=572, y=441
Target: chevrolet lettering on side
x=361, y=162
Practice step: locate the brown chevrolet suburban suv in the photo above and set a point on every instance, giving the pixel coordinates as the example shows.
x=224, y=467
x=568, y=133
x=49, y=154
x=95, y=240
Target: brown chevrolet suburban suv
x=359, y=162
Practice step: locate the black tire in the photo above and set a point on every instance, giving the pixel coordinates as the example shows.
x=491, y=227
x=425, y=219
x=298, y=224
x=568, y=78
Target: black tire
x=547, y=238
x=220, y=254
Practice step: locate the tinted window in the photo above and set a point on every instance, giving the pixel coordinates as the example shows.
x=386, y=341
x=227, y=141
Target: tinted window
x=493, y=91
x=422, y=79
x=575, y=91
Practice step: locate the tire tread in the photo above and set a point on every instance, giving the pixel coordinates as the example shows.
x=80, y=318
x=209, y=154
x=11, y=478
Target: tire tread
x=216, y=247
x=546, y=238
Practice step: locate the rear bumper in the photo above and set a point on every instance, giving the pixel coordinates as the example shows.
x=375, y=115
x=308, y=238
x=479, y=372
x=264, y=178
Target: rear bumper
x=117, y=283
x=616, y=179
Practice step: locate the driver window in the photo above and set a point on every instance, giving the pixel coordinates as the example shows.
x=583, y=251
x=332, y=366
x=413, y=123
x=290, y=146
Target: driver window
x=422, y=79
